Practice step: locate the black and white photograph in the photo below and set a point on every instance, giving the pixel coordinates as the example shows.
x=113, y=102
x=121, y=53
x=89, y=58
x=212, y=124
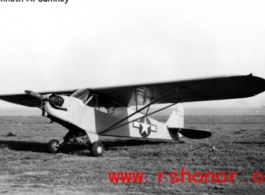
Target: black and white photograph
x=132, y=97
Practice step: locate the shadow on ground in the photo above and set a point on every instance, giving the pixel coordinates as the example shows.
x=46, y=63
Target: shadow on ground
x=43, y=147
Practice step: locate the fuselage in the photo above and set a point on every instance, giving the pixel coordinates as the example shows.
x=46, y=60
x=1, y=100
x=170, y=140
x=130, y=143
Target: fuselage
x=99, y=120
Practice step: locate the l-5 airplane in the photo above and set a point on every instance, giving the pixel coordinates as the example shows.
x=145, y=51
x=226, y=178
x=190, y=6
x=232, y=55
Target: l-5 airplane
x=124, y=110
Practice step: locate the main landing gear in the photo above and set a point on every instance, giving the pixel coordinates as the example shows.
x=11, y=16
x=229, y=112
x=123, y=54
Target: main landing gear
x=96, y=148
x=53, y=146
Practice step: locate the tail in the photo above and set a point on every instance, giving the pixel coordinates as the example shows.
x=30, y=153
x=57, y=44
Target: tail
x=176, y=122
x=175, y=125
x=176, y=119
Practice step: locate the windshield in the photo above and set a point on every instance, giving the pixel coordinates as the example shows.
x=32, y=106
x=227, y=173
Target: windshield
x=82, y=94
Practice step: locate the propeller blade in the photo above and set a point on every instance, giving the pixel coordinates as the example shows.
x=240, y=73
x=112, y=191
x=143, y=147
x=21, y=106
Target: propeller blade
x=52, y=101
x=41, y=97
x=35, y=94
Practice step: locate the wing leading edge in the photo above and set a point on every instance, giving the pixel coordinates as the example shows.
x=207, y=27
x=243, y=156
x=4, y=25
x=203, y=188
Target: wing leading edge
x=202, y=89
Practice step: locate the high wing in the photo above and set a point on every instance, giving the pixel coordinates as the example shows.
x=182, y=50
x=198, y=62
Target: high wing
x=202, y=89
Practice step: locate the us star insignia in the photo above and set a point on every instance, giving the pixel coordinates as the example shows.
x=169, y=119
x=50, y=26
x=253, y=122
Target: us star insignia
x=145, y=127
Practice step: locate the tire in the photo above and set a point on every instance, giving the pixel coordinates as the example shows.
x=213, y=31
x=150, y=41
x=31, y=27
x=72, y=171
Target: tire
x=52, y=146
x=97, y=149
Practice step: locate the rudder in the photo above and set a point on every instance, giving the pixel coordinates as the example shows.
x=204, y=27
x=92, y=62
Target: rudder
x=176, y=119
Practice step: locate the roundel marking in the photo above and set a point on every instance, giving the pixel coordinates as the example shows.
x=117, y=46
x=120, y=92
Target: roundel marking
x=145, y=127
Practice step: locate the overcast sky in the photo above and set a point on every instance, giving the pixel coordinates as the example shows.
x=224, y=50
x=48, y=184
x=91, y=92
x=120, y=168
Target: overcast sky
x=85, y=43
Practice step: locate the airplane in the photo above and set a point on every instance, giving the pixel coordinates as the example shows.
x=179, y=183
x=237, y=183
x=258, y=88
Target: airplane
x=124, y=111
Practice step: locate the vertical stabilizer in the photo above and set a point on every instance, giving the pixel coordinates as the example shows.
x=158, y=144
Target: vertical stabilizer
x=176, y=119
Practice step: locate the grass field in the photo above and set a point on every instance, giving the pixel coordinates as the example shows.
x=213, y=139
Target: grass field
x=27, y=168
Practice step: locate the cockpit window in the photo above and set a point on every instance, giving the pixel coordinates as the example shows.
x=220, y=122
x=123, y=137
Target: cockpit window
x=82, y=94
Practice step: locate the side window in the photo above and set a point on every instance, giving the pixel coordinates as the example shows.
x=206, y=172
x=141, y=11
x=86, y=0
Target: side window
x=118, y=111
x=101, y=104
x=93, y=101
x=114, y=109
x=102, y=109
x=111, y=108
x=105, y=105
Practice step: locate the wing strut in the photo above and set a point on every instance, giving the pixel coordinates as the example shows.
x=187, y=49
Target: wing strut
x=149, y=104
x=136, y=103
x=137, y=111
x=139, y=118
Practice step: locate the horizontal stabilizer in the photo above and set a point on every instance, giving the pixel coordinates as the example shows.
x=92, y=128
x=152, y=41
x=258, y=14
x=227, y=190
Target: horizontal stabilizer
x=192, y=133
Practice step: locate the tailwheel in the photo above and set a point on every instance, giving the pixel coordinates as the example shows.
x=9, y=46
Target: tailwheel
x=53, y=146
x=97, y=149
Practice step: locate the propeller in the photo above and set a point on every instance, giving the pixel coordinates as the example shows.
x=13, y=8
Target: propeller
x=52, y=101
x=41, y=97
x=35, y=94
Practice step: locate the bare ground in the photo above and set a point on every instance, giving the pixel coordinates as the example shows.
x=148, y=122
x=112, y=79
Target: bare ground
x=27, y=168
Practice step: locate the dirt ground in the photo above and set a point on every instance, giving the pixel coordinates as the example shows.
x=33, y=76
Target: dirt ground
x=237, y=145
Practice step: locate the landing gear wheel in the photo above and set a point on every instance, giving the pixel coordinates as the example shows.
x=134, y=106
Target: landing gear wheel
x=97, y=149
x=52, y=146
